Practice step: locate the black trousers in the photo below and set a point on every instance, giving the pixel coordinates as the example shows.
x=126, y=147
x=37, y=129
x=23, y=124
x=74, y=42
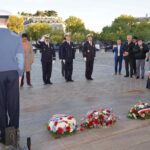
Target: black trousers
x=68, y=70
x=27, y=78
x=89, y=68
x=47, y=71
x=129, y=63
x=9, y=100
x=62, y=68
x=134, y=66
x=148, y=83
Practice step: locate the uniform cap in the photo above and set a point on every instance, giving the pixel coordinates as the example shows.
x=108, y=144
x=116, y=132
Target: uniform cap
x=89, y=35
x=4, y=14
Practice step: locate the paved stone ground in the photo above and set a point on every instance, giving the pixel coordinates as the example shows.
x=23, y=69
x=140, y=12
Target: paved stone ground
x=39, y=103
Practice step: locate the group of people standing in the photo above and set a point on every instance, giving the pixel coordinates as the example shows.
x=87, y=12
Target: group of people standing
x=66, y=55
x=134, y=52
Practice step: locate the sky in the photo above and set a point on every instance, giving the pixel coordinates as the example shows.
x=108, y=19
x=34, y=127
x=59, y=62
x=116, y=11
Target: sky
x=95, y=13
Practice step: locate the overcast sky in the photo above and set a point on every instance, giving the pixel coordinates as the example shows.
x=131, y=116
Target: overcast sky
x=95, y=13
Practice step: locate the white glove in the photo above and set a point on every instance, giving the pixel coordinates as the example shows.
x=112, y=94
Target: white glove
x=84, y=58
x=64, y=60
x=53, y=61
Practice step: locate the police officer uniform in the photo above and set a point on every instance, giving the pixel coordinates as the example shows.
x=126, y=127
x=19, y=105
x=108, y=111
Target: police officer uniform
x=11, y=70
x=89, y=53
x=61, y=59
x=47, y=58
x=68, y=54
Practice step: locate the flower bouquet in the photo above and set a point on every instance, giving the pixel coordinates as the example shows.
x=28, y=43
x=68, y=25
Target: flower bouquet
x=62, y=125
x=140, y=111
x=99, y=118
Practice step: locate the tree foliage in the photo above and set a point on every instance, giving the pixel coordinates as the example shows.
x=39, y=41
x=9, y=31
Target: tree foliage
x=74, y=24
x=16, y=24
x=124, y=25
x=36, y=31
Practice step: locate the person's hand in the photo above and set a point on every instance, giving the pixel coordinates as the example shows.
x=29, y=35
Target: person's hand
x=84, y=58
x=53, y=61
x=149, y=74
x=125, y=54
x=64, y=61
x=20, y=78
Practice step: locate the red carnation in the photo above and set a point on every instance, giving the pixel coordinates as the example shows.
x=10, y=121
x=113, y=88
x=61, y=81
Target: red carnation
x=89, y=116
x=48, y=128
x=55, y=123
x=101, y=117
x=108, y=110
x=96, y=121
x=110, y=122
x=68, y=129
x=107, y=123
x=70, y=118
x=90, y=123
x=60, y=130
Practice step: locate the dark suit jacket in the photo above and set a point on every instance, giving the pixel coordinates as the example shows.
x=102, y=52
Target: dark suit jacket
x=115, y=50
x=140, y=53
x=128, y=48
x=48, y=52
x=89, y=51
x=68, y=51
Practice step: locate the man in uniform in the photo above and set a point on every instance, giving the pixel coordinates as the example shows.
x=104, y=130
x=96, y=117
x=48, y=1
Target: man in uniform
x=128, y=55
x=48, y=57
x=61, y=60
x=89, y=53
x=68, y=54
x=11, y=70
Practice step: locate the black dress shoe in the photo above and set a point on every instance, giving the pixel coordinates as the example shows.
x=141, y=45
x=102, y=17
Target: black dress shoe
x=90, y=78
x=2, y=140
x=71, y=80
x=49, y=82
x=142, y=78
x=131, y=76
x=126, y=76
x=137, y=77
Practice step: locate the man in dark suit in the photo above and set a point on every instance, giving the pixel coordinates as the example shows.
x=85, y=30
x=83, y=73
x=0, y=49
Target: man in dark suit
x=128, y=55
x=135, y=41
x=118, y=56
x=61, y=58
x=89, y=53
x=11, y=71
x=68, y=55
x=48, y=57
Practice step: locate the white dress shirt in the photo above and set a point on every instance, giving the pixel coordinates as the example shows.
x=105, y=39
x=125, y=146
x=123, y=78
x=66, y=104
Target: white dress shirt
x=119, y=47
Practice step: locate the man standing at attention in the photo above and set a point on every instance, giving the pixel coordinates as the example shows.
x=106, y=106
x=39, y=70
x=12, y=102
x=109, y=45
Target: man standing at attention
x=128, y=56
x=68, y=55
x=89, y=53
x=11, y=70
x=118, y=56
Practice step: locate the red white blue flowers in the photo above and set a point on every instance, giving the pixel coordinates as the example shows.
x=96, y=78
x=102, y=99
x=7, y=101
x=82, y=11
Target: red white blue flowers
x=140, y=111
x=61, y=125
x=99, y=118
